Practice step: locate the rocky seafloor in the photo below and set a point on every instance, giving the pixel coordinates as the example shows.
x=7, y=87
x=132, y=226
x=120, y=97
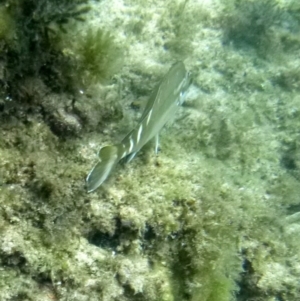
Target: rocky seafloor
x=214, y=216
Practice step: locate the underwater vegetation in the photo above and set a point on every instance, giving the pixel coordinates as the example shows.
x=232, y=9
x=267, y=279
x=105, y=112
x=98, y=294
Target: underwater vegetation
x=213, y=217
x=32, y=48
x=43, y=55
x=251, y=21
x=96, y=56
x=265, y=26
x=179, y=23
x=179, y=42
x=6, y=25
x=35, y=43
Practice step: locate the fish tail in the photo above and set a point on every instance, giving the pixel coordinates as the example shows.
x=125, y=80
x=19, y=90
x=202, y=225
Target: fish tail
x=108, y=156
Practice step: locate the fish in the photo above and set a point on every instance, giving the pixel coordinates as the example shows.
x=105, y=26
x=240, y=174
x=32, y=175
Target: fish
x=160, y=108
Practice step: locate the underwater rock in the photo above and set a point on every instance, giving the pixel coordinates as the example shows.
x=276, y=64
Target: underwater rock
x=63, y=123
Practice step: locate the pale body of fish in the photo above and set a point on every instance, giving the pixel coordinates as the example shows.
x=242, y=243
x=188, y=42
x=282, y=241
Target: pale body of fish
x=160, y=108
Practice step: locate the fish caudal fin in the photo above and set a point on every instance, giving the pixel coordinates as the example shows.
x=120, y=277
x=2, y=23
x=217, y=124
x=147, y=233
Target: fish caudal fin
x=108, y=159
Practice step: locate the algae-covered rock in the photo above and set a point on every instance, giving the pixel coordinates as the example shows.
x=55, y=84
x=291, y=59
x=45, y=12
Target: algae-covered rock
x=214, y=216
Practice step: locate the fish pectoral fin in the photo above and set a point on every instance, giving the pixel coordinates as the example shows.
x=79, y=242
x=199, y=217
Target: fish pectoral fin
x=108, y=159
x=156, y=144
x=130, y=157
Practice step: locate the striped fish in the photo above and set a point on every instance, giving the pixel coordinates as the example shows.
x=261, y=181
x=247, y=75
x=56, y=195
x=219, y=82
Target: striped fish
x=161, y=106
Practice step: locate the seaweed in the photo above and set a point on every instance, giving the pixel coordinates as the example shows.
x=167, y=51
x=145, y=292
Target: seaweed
x=177, y=20
x=250, y=23
x=96, y=56
x=35, y=49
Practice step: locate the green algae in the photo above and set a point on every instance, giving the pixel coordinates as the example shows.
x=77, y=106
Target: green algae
x=7, y=24
x=213, y=217
x=33, y=50
x=97, y=56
